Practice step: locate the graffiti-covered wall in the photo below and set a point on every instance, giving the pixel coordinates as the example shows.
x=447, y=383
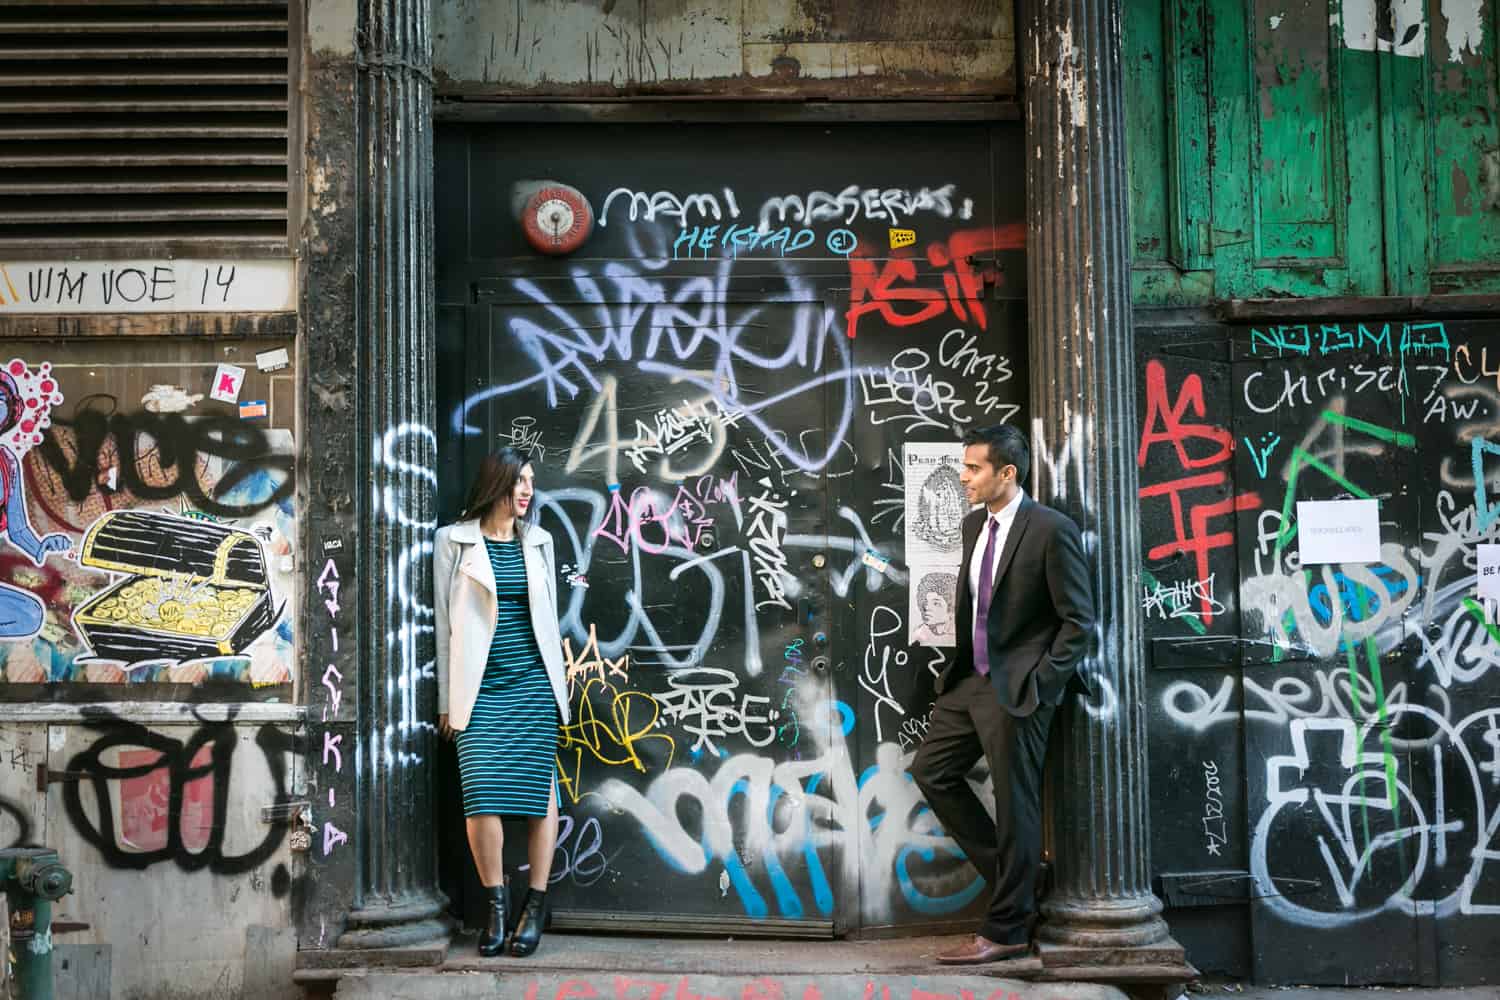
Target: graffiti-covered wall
x=147, y=647
x=1323, y=724
x=148, y=517
x=743, y=395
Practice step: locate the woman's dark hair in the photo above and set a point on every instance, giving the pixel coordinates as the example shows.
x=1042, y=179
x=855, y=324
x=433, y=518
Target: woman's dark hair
x=495, y=481
x=1006, y=446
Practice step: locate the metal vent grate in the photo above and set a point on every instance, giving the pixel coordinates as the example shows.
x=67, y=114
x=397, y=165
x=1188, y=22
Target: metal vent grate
x=143, y=122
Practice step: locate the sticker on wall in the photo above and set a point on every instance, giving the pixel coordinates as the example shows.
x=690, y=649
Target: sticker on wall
x=903, y=238
x=1338, y=531
x=272, y=361
x=228, y=379
x=252, y=408
x=169, y=399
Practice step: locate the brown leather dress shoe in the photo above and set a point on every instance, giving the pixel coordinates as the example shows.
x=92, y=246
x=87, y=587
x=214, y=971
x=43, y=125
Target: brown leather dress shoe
x=979, y=950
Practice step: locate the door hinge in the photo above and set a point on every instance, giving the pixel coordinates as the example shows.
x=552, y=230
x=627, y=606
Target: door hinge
x=46, y=776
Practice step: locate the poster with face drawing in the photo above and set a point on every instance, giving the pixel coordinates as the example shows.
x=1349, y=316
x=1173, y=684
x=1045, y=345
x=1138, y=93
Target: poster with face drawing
x=930, y=610
x=935, y=509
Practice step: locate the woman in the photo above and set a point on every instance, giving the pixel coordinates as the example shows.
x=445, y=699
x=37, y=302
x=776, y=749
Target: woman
x=501, y=688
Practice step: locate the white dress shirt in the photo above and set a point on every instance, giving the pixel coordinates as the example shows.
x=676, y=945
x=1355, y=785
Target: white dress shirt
x=1004, y=518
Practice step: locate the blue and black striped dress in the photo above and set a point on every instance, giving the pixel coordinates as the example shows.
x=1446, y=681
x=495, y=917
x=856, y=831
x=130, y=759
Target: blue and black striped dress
x=507, y=756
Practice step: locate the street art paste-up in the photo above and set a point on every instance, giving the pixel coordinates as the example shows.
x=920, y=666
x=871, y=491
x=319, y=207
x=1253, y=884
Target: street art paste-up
x=935, y=509
x=27, y=397
x=62, y=477
x=190, y=589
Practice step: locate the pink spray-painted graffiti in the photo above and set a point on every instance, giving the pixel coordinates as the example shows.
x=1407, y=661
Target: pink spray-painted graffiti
x=27, y=397
x=333, y=680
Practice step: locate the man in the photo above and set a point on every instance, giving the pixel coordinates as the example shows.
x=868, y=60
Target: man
x=1025, y=610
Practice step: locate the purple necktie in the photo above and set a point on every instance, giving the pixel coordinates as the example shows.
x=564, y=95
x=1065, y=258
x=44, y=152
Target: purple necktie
x=986, y=591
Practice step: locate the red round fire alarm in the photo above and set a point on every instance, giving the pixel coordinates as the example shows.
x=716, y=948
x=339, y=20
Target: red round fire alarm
x=557, y=219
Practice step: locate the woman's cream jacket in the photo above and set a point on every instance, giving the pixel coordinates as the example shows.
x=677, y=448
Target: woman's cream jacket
x=463, y=585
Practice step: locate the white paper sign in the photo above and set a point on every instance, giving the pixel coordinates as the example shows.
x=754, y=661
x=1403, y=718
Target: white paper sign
x=1489, y=570
x=1338, y=531
x=935, y=506
x=143, y=286
x=227, y=382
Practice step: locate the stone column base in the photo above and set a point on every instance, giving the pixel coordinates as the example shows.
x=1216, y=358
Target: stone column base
x=1163, y=962
x=405, y=925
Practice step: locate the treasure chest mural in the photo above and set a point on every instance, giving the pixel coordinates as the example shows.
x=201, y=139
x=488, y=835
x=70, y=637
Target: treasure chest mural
x=193, y=589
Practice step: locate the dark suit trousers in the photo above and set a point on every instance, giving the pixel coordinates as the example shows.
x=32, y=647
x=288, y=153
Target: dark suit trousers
x=967, y=721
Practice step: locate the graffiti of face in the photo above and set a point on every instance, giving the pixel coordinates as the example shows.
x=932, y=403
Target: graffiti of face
x=935, y=612
x=982, y=482
x=10, y=403
x=520, y=497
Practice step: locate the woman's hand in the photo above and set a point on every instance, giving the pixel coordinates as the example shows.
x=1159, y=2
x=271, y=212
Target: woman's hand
x=443, y=727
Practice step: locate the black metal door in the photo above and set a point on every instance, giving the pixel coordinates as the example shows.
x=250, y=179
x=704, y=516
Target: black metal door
x=1323, y=723
x=722, y=388
x=694, y=616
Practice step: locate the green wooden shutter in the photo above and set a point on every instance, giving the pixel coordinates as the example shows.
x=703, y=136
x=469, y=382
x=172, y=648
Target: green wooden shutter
x=1296, y=166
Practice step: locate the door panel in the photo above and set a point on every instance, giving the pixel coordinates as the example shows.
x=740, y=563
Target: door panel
x=1297, y=158
x=682, y=566
x=720, y=388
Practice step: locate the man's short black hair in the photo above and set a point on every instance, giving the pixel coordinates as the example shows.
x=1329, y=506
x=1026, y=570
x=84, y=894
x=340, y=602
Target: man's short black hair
x=1006, y=446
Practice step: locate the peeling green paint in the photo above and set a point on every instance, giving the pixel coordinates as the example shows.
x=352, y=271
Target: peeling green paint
x=1314, y=168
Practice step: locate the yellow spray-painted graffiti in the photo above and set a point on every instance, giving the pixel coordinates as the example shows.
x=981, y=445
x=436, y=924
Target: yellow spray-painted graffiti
x=612, y=727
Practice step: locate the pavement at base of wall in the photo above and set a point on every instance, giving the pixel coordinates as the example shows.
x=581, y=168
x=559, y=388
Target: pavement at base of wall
x=1220, y=989
x=623, y=967
x=574, y=966
x=625, y=986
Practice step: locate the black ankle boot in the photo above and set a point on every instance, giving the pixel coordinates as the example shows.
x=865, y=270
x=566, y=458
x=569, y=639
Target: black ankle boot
x=492, y=941
x=529, y=929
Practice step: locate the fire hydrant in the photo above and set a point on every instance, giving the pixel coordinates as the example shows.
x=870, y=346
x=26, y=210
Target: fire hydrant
x=33, y=878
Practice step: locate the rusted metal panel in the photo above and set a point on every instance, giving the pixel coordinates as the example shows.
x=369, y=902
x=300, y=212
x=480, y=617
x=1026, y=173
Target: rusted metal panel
x=767, y=48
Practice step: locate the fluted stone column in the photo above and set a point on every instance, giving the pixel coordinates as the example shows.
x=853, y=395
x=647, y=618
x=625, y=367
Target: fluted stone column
x=1101, y=911
x=396, y=900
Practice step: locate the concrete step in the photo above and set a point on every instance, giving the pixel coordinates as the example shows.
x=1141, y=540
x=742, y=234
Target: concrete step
x=618, y=967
